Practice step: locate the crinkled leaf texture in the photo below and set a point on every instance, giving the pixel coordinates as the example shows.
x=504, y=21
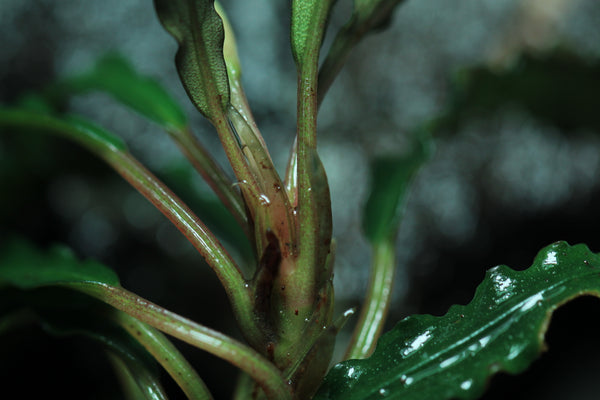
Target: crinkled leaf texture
x=453, y=356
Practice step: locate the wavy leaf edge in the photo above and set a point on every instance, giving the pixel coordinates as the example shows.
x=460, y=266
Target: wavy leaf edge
x=407, y=365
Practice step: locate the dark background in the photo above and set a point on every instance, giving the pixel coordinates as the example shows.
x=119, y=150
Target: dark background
x=502, y=184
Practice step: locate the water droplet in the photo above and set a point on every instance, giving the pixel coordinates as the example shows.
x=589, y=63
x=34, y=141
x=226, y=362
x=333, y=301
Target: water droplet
x=416, y=343
x=550, y=260
x=448, y=362
x=264, y=200
x=466, y=385
x=383, y=392
x=484, y=341
x=532, y=302
x=350, y=372
x=503, y=285
x=515, y=351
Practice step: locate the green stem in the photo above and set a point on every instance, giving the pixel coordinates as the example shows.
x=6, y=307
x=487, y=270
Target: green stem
x=222, y=346
x=167, y=355
x=362, y=22
x=184, y=219
x=114, y=152
x=249, y=185
x=216, y=178
x=376, y=305
x=337, y=56
x=244, y=388
x=136, y=384
x=306, y=146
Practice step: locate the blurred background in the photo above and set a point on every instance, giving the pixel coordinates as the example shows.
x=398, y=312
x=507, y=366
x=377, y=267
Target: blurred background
x=514, y=87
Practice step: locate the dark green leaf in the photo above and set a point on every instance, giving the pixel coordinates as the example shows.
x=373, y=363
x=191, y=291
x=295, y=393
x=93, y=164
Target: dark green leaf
x=199, y=31
x=558, y=87
x=391, y=177
x=25, y=267
x=453, y=356
x=114, y=75
x=67, y=313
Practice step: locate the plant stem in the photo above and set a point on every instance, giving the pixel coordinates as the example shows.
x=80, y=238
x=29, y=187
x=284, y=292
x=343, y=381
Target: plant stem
x=376, y=305
x=362, y=22
x=167, y=355
x=238, y=354
x=213, y=175
x=136, y=384
x=306, y=146
x=248, y=183
x=114, y=152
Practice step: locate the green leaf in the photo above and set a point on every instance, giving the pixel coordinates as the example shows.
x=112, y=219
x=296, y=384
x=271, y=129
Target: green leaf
x=391, y=177
x=371, y=14
x=114, y=75
x=309, y=20
x=199, y=31
x=23, y=266
x=72, y=127
x=559, y=87
x=67, y=313
x=93, y=322
x=453, y=356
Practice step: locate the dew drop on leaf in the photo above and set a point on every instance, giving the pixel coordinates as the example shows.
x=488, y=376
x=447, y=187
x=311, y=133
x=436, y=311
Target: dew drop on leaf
x=466, y=385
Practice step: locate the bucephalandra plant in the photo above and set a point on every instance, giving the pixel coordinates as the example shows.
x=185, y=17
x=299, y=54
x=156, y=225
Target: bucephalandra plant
x=285, y=305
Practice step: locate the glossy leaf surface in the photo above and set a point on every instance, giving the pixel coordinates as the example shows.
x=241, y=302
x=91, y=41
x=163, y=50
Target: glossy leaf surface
x=114, y=75
x=199, y=31
x=453, y=356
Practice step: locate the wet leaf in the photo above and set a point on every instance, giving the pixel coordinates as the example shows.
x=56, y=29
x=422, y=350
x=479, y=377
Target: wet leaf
x=391, y=177
x=199, y=31
x=453, y=356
